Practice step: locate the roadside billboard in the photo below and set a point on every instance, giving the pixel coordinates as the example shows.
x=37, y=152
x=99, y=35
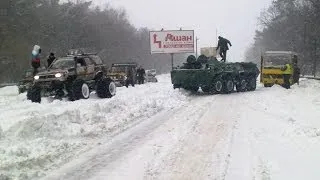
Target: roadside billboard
x=175, y=41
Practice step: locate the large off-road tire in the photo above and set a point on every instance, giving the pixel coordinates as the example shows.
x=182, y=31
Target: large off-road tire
x=243, y=85
x=228, y=85
x=217, y=85
x=106, y=88
x=252, y=84
x=79, y=90
x=34, y=94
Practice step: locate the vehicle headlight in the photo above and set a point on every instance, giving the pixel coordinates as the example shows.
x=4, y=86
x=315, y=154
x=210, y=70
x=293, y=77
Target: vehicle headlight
x=36, y=77
x=58, y=75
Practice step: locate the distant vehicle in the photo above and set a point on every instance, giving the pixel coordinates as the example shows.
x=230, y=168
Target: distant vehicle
x=214, y=76
x=73, y=76
x=151, y=75
x=119, y=73
x=273, y=67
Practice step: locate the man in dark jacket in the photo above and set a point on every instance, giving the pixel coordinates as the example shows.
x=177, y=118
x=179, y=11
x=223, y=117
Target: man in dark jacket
x=140, y=73
x=50, y=59
x=223, y=45
x=130, y=78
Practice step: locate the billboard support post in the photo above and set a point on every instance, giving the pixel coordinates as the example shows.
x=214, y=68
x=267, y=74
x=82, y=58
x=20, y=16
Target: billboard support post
x=171, y=60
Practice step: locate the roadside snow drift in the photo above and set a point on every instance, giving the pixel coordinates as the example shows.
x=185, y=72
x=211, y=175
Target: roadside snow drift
x=277, y=134
x=35, y=138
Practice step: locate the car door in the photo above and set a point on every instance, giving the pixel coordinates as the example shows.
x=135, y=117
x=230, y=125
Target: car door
x=90, y=72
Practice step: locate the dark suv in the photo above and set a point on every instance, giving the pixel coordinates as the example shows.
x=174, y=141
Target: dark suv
x=73, y=76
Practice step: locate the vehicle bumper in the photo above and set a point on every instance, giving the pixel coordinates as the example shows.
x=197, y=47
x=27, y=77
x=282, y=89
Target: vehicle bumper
x=50, y=88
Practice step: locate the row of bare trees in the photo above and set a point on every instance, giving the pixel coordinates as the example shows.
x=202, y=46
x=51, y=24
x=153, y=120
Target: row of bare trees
x=290, y=25
x=57, y=27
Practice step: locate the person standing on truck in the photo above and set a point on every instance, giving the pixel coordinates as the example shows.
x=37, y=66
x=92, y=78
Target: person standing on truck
x=223, y=45
x=35, y=61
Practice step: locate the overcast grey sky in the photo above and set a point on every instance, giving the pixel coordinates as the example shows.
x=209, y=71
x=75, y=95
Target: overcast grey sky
x=235, y=20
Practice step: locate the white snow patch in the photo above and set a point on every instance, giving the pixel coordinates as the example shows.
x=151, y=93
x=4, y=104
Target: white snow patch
x=278, y=135
x=36, y=138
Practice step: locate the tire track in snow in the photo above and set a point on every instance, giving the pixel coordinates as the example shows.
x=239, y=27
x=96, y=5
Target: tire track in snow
x=112, y=155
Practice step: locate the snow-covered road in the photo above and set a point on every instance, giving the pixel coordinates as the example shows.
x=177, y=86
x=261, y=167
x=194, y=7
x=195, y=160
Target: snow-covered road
x=155, y=132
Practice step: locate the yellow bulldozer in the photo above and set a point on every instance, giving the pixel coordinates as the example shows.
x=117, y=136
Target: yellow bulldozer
x=275, y=65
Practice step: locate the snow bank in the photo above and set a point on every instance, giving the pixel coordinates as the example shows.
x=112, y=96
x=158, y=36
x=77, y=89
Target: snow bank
x=35, y=138
x=278, y=134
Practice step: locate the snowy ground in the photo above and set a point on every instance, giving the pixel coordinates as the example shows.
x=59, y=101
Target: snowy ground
x=35, y=138
x=154, y=132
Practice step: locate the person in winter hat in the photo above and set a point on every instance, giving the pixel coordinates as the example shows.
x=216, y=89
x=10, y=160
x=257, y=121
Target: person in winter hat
x=35, y=61
x=50, y=59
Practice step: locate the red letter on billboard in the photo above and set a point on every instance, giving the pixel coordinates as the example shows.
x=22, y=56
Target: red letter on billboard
x=155, y=41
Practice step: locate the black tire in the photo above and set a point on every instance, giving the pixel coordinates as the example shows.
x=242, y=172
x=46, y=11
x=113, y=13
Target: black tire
x=193, y=89
x=79, y=90
x=243, y=85
x=228, y=85
x=267, y=85
x=34, y=94
x=252, y=84
x=206, y=89
x=217, y=85
x=106, y=88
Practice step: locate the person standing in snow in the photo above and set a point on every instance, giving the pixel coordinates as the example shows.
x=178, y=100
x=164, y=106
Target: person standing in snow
x=35, y=61
x=50, y=59
x=223, y=45
x=141, y=73
x=287, y=71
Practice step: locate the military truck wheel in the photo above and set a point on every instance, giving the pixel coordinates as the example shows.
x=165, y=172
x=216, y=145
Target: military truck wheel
x=252, y=84
x=228, y=86
x=106, y=88
x=206, y=89
x=242, y=86
x=34, y=94
x=80, y=90
x=217, y=85
x=194, y=89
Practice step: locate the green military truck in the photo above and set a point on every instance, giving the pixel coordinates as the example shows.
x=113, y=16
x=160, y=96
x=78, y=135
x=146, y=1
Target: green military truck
x=213, y=76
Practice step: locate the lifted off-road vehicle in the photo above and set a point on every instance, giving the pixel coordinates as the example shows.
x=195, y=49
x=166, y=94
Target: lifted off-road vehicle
x=73, y=76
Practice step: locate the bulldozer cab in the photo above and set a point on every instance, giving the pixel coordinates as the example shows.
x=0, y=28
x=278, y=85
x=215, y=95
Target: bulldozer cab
x=273, y=67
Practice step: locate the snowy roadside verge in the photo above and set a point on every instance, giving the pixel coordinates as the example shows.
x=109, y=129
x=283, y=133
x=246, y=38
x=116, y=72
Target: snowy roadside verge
x=36, y=138
x=277, y=135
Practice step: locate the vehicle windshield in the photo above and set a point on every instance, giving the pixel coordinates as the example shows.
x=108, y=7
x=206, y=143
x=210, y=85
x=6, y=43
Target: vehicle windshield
x=63, y=63
x=119, y=69
x=276, y=60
